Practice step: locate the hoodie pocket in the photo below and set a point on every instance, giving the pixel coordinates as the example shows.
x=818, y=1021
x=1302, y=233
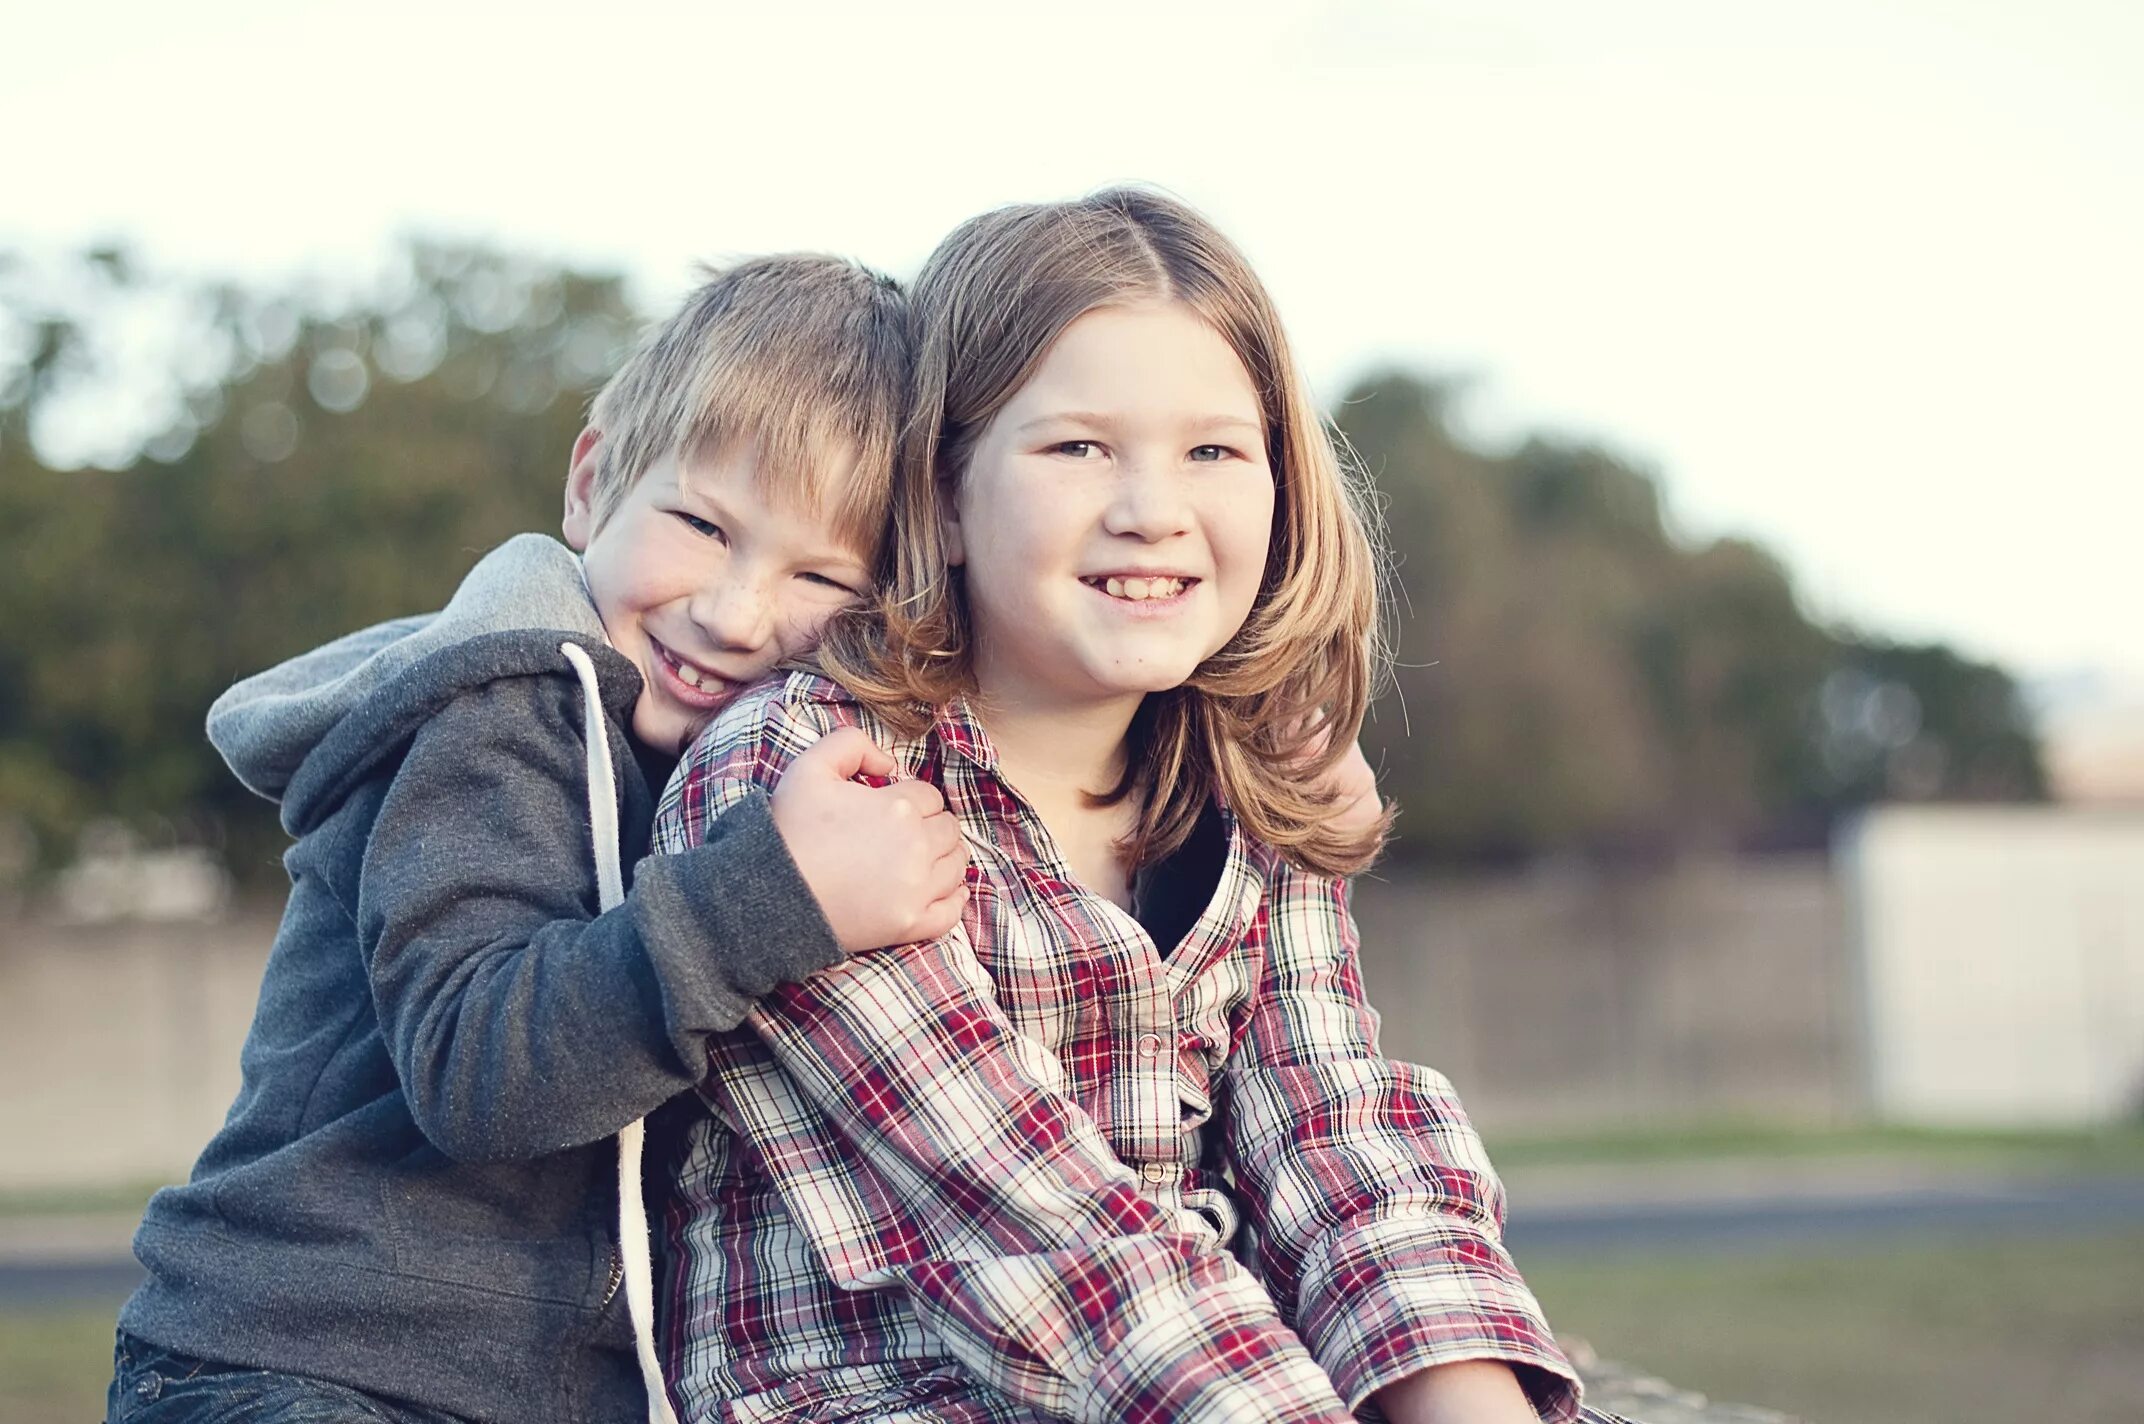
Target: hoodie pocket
x=504, y=1228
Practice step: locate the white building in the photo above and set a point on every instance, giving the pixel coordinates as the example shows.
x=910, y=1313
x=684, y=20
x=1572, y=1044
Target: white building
x=2002, y=958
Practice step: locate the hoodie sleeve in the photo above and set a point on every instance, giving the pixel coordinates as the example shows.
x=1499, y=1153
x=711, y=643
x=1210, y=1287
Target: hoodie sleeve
x=522, y=1022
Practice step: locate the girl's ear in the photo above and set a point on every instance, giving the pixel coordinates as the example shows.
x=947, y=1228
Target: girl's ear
x=956, y=553
x=579, y=525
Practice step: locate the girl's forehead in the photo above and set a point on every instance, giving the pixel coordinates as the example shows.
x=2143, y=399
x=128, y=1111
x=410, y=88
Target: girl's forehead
x=1158, y=357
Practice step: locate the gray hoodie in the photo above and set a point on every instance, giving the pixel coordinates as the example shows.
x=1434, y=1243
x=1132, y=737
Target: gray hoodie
x=413, y=1193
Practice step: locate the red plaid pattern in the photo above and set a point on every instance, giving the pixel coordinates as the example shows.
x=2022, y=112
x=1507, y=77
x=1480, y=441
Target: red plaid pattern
x=997, y=1176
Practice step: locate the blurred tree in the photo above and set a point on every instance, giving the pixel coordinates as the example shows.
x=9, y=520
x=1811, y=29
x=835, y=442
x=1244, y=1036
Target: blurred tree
x=1915, y=721
x=1572, y=679
x=324, y=469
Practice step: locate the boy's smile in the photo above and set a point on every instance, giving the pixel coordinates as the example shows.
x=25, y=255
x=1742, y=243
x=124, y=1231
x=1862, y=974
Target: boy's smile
x=702, y=581
x=688, y=682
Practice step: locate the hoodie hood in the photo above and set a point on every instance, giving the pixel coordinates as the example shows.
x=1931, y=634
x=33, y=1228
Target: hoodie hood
x=303, y=731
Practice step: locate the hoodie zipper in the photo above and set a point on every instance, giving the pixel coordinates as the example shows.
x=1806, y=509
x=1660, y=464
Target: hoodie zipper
x=617, y=1278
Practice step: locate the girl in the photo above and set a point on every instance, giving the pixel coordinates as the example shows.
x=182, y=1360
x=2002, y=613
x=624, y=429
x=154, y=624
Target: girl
x=1122, y=1146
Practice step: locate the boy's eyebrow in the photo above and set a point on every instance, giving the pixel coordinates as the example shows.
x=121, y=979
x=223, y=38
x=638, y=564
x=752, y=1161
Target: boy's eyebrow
x=830, y=554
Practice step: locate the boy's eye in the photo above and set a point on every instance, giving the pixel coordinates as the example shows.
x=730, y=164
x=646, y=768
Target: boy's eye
x=1077, y=449
x=703, y=527
x=834, y=584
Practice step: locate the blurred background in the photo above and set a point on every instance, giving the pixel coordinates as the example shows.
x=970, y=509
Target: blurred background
x=1752, y=397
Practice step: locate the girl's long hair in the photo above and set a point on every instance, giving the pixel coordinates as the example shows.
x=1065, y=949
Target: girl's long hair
x=1259, y=721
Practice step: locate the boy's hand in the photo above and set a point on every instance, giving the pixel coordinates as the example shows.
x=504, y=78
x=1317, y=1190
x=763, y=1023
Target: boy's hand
x=1356, y=806
x=1353, y=786
x=887, y=864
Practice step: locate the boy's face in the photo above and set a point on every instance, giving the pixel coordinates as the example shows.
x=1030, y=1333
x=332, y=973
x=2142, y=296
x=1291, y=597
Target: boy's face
x=702, y=581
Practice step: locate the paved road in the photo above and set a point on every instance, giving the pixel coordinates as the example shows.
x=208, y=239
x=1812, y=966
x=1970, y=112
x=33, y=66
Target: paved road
x=95, y=1271
x=68, y=1283
x=1759, y=1223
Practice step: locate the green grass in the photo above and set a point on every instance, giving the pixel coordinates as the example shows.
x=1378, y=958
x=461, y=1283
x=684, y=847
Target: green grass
x=2013, y=1329
x=2108, y=1149
x=54, y=1367
x=2113, y=1149
x=2007, y=1330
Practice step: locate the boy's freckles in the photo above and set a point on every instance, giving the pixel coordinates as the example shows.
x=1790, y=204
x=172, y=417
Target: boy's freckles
x=706, y=585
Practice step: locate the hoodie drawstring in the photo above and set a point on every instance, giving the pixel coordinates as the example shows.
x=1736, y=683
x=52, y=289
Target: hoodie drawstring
x=610, y=891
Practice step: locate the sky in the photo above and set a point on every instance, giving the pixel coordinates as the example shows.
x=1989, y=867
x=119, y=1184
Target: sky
x=1863, y=281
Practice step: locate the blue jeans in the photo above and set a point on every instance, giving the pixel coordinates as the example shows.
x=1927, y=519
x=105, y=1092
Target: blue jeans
x=156, y=1386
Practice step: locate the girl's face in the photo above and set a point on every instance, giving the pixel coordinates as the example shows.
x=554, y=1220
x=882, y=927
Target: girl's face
x=1114, y=517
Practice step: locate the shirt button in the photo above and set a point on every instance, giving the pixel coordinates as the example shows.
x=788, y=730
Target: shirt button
x=1156, y=1172
x=1149, y=1044
x=149, y=1386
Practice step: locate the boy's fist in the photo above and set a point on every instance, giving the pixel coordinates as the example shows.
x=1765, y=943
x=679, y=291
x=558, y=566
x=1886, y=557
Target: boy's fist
x=1348, y=783
x=887, y=864
x=1356, y=805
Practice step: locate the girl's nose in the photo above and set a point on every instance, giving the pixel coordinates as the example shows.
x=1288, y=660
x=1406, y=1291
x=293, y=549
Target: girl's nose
x=1148, y=503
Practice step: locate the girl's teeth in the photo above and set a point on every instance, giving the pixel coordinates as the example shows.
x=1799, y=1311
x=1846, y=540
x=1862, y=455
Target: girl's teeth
x=1138, y=590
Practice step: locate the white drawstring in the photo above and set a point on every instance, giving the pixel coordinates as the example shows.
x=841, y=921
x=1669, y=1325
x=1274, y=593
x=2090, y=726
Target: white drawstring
x=610, y=892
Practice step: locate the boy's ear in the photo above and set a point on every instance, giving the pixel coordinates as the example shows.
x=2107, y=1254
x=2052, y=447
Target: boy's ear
x=579, y=525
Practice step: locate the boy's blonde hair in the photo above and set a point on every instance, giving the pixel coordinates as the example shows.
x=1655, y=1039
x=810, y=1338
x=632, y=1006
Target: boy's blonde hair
x=988, y=305
x=805, y=356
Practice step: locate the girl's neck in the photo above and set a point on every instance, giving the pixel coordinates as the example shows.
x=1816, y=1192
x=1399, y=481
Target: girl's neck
x=1057, y=758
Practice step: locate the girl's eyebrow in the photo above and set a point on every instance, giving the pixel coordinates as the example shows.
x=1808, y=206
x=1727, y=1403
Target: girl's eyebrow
x=1089, y=417
x=1065, y=417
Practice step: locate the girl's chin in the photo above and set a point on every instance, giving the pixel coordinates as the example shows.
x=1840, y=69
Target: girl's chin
x=1144, y=682
x=1087, y=678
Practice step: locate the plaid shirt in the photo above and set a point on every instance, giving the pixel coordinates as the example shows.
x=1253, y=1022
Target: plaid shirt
x=999, y=1176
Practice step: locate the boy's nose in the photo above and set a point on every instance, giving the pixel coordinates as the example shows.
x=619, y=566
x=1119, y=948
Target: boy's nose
x=736, y=613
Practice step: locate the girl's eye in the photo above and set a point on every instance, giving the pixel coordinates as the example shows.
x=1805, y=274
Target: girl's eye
x=1077, y=449
x=1207, y=454
x=835, y=585
x=705, y=528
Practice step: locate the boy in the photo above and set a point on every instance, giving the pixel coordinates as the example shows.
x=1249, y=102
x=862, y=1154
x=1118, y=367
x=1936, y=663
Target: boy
x=406, y=1215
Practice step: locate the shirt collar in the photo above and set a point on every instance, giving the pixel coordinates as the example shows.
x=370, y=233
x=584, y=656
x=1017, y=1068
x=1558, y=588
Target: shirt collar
x=958, y=729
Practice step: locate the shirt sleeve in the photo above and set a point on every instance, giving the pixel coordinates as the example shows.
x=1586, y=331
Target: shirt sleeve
x=1377, y=1218
x=901, y=1119
x=521, y=1022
